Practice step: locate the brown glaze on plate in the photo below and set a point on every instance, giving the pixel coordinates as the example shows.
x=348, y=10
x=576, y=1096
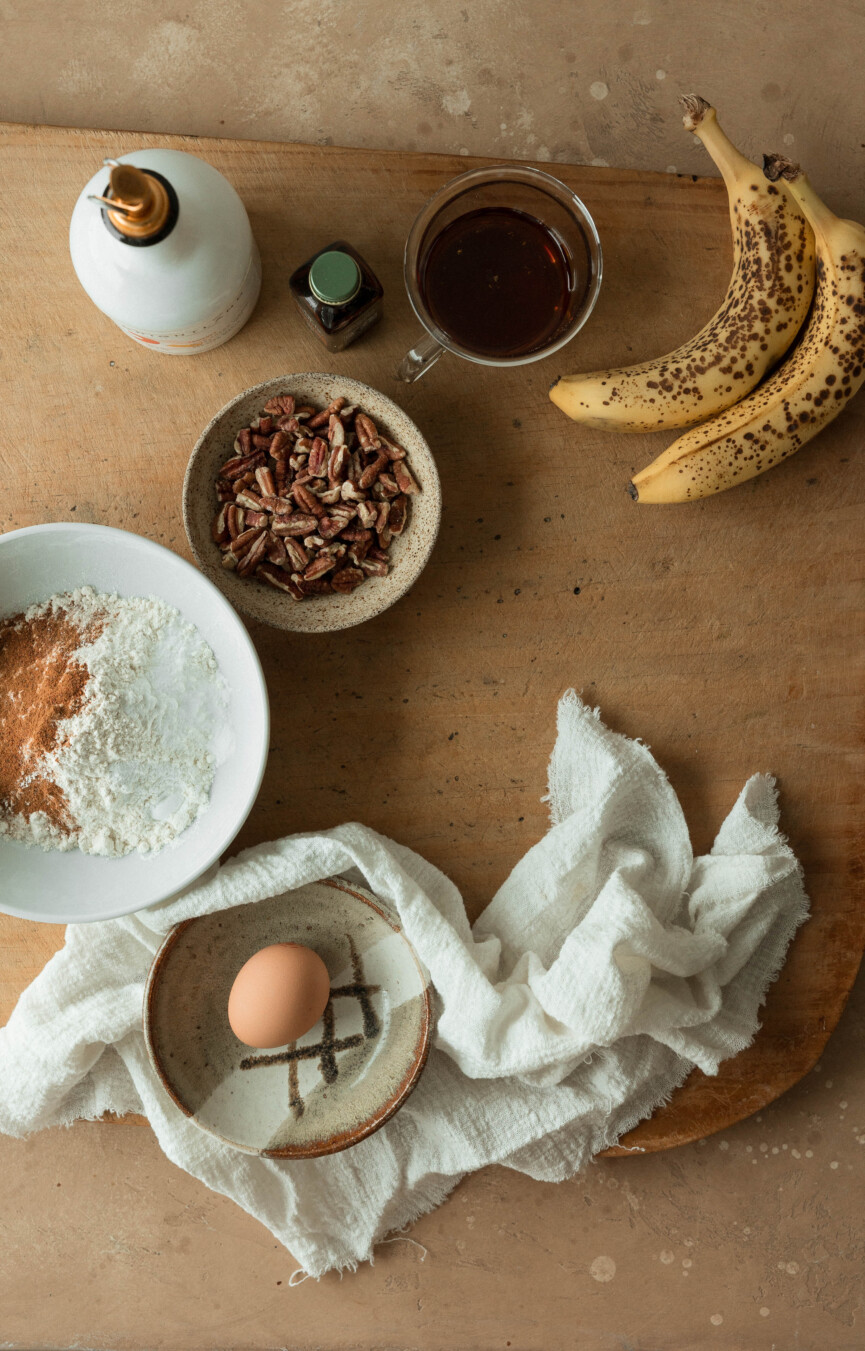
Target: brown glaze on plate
x=337, y=1084
x=408, y=551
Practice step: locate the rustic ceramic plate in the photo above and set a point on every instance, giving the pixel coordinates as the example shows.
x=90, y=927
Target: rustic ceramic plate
x=334, y=1086
x=408, y=552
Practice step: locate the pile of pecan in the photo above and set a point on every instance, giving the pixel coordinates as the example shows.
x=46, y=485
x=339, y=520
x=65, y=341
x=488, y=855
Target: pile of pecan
x=311, y=500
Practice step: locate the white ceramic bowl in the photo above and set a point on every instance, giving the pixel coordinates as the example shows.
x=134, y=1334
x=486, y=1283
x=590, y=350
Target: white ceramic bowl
x=72, y=887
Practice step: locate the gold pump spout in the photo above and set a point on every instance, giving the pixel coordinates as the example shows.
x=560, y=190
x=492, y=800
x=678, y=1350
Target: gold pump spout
x=138, y=204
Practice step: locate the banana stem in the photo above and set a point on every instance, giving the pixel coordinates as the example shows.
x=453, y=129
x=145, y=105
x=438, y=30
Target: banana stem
x=700, y=118
x=817, y=213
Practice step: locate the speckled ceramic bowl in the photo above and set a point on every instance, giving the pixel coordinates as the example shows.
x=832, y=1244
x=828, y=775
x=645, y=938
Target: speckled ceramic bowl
x=408, y=552
x=334, y=1086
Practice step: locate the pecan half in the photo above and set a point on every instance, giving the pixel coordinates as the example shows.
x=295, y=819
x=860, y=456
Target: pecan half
x=276, y=550
x=315, y=586
x=236, y=467
x=372, y=471
x=336, y=432
x=253, y=556
x=330, y=526
x=306, y=500
x=318, y=458
x=367, y=432
x=296, y=553
x=319, y=566
x=264, y=479
x=298, y=524
x=346, y=580
x=280, y=580
x=355, y=532
x=323, y=418
x=367, y=513
x=359, y=550
x=404, y=479
x=337, y=464
x=283, y=403
x=391, y=449
x=219, y=530
x=397, y=515
x=241, y=546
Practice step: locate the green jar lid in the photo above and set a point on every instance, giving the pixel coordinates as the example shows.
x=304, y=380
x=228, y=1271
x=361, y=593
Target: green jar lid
x=334, y=277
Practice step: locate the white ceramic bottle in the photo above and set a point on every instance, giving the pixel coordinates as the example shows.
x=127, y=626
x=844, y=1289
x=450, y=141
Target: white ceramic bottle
x=165, y=249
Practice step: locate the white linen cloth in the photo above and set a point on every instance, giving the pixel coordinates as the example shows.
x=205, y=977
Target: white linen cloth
x=607, y=966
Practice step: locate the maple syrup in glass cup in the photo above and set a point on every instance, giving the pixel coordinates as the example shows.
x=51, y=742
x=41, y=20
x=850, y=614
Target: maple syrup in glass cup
x=502, y=267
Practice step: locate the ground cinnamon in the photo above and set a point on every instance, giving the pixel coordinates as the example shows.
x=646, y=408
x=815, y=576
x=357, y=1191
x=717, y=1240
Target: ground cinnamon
x=41, y=684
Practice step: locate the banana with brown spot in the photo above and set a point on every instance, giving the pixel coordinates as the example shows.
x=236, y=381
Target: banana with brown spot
x=766, y=302
x=811, y=387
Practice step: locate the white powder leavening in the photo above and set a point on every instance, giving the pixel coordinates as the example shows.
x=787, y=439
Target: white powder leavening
x=136, y=764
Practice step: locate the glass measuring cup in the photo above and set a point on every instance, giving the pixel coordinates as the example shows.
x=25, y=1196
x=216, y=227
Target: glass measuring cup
x=520, y=188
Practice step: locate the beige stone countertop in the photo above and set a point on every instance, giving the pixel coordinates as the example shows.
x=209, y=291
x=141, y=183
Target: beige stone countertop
x=751, y=1239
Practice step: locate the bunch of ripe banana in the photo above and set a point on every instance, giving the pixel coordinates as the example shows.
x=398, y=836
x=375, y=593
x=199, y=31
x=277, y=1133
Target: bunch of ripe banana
x=714, y=380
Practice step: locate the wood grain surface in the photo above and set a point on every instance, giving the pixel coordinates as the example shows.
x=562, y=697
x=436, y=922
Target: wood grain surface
x=725, y=633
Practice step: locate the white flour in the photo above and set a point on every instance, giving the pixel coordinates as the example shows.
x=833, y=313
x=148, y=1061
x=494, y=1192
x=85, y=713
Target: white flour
x=141, y=754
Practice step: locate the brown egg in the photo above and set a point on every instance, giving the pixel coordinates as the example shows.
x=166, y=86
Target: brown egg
x=279, y=994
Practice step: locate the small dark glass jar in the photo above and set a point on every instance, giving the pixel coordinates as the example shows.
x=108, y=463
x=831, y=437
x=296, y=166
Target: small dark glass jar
x=338, y=295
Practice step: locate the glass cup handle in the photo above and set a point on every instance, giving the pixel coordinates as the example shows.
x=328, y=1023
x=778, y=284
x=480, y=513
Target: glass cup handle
x=418, y=361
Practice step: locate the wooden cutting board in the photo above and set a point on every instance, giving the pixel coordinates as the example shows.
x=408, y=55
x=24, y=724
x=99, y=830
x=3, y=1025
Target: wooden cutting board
x=725, y=633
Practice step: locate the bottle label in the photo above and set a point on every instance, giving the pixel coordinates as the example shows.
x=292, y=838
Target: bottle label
x=212, y=332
